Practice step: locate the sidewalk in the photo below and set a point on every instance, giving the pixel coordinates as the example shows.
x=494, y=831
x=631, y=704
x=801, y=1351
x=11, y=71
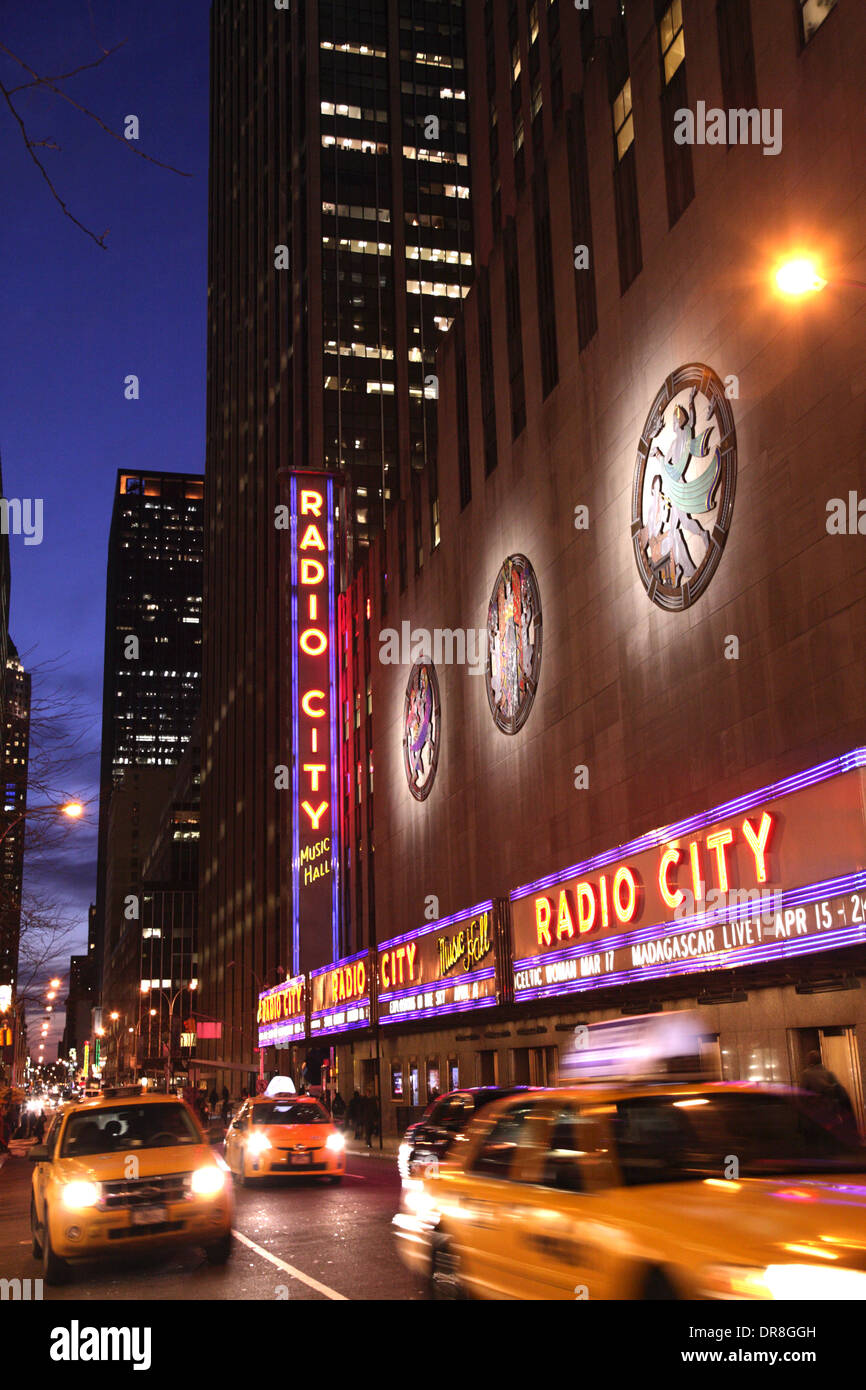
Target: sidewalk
x=390, y=1145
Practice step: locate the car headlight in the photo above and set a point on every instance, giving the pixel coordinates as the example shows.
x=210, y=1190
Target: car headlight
x=206, y=1182
x=784, y=1281
x=80, y=1194
x=257, y=1143
x=815, y=1281
x=403, y=1160
x=336, y=1143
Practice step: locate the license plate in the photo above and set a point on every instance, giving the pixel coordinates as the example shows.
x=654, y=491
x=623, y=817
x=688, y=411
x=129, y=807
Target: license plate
x=149, y=1216
x=302, y=1160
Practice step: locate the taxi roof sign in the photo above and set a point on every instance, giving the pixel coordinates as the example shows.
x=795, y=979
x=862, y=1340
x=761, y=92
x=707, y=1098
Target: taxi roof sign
x=649, y=1047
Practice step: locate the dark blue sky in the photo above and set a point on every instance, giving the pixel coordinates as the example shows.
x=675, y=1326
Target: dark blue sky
x=77, y=319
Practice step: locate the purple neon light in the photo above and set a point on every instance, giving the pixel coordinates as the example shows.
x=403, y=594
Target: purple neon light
x=296, y=800
x=437, y=926
x=332, y=673
x=793, y=897
x=329, y=1030
x=847, y=762
x=337, y=964
x=439, y=1012
x=435, y=1010
x=720, y=960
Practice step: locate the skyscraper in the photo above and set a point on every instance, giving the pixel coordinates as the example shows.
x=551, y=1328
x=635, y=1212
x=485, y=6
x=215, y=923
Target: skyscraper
x=152, y=673
x=16, y=753
x=340, y=251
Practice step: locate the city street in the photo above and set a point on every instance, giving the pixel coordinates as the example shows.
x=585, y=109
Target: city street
x=294, y=1239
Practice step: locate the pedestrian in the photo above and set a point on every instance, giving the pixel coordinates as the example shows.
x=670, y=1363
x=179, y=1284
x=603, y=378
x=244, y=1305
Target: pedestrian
x=39, y=1127
x=834, y=1103
x=339, y=1111
x=214, y=1099
x=225, y=1110
x=354, y=1114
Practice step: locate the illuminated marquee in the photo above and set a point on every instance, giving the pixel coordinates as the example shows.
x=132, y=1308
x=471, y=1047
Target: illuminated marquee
x=340, y=995
x=446, y=967
x=776, y=873
x=282, y=1013
x=315, y=782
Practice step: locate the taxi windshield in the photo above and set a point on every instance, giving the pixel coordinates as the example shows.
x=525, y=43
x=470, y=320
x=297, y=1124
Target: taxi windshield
x=289, y=1113
x=675, y=1138
x=108, y=1130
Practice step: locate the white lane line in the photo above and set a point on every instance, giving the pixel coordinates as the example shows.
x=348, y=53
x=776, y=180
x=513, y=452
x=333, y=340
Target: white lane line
x=291, y=1271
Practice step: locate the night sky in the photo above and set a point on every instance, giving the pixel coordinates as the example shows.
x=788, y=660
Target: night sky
x=78, y=319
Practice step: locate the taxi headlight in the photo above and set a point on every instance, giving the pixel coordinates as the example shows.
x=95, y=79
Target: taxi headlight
x=403, y=1160
x=206, y=1182
x=784, y=1281
x=257, y=1144
x=80, y=1194
x=336, y=1143
x=815, y=1281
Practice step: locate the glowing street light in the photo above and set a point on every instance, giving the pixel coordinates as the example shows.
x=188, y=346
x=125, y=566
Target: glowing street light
x=73, y=809
x=798, y=277
x=55, y=983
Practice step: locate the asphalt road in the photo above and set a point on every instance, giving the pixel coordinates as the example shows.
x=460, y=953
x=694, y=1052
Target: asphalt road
x=294, y=1239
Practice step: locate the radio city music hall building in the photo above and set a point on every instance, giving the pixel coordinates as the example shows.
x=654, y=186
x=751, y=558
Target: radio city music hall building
x=647, y=792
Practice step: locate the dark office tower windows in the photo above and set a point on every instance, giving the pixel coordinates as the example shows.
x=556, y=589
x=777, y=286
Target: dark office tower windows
x=554, y=42
x=417, y=524
x=464, y=457
x=581, y=224
x=152, y=673
x=679, y=175
x=736, y=55
x=401, y=545
x=544, y=281
x=518, y=140
x=514, y=326
x=16, y=760
x=488, y=382
x=433, y=500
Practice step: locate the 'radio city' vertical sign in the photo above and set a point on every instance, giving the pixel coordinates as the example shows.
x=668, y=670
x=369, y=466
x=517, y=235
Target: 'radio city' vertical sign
x=315, y=778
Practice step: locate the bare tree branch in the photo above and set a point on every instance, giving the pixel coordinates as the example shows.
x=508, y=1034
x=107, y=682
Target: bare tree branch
x=63, y=76
x=91, y=115
x=51, y=84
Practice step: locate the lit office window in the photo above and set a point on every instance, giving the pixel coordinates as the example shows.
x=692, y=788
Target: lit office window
x=623, y=120
x=672, y=38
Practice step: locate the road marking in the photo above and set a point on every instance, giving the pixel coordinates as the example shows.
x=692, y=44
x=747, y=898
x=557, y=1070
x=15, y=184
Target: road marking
x=291, y=1271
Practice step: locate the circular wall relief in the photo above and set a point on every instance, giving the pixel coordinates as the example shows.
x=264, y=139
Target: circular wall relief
x=685, y=479
x=513, y=644
x=421, y=729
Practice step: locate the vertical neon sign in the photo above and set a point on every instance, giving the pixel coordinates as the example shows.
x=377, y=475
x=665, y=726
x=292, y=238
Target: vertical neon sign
x=315, y=848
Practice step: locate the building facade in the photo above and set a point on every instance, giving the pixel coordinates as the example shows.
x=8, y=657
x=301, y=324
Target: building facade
x=341, y=245
x=152, y=672
x=663, y=588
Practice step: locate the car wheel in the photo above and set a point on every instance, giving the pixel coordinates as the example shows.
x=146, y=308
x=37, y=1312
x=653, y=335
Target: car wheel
x=218, y=1254
x=54, y=1270
x=657, y=1286
x=37, y=1246
x=445, y=1276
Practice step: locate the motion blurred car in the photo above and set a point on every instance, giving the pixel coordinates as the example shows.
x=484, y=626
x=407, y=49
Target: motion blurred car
x=126, y=1172
x=285, y=1135
x=444, y=1122
x=684, y=1191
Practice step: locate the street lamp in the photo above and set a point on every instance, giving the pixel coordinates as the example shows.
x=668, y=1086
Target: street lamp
x=799, y=276
x=146, y=988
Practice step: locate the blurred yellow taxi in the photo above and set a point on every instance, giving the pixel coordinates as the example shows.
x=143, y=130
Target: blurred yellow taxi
x=285, y=1135
x=678, y=1191
x=126, y=1172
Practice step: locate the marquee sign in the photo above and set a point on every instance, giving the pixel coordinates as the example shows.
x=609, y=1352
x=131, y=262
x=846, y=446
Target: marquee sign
x=340, y=995
x=780, y=872
x=443, y=968
x=282, y=1013
x=314, y=698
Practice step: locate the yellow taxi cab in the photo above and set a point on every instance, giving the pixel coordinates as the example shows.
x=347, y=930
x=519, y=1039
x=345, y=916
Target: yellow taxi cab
x=700, y=1190
x=127, y=1171
x=285, y=1135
